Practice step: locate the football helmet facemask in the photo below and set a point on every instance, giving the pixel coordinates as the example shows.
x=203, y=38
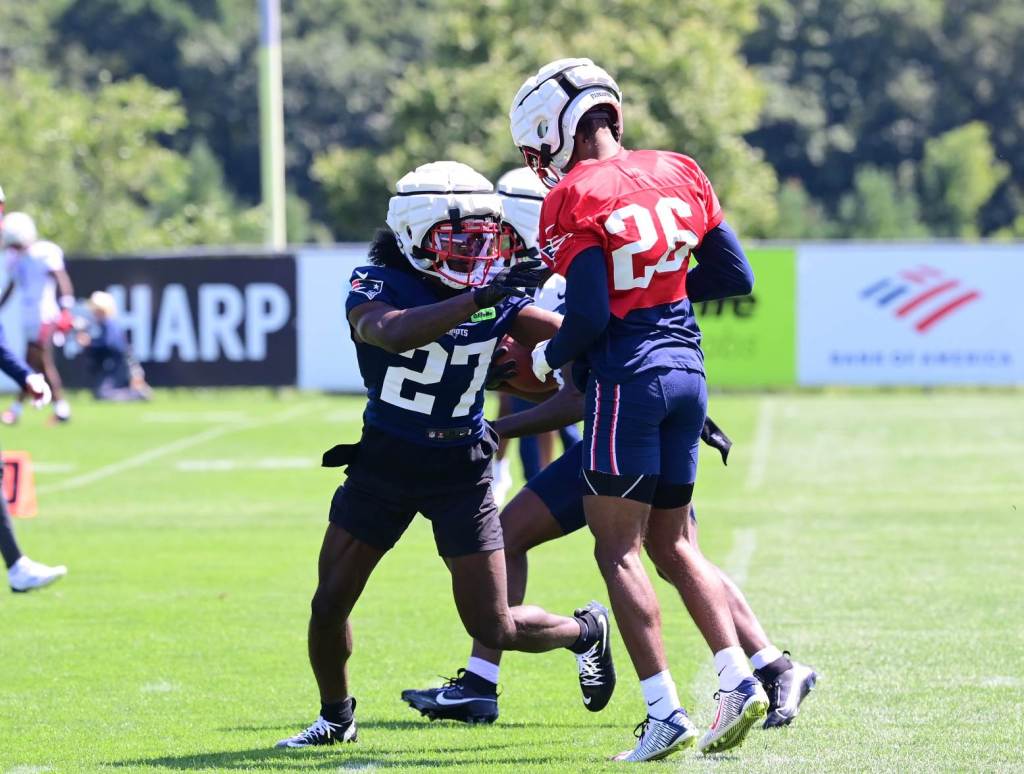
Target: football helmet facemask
x=447, y=221
x=547, y=110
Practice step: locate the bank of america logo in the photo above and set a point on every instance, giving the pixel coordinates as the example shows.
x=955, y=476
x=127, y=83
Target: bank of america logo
x=923, y=296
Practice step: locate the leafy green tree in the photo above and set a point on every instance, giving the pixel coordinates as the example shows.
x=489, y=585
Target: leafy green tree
x=879, y=207
x=800, y=217
x=685, y=88
x=959, y=174
x=89, y=166
x=870, y=82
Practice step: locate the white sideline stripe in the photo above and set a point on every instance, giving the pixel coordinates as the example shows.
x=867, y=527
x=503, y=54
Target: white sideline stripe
x=762, y=443
x=53, y=467
x=198, y=417
x=266, y=463
x=737, y=567
x=136, y=460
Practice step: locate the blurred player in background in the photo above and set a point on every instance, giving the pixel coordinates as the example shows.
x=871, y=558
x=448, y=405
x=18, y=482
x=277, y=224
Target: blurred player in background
x=521, y=197
x=115, y=373
x=36, y=267
x=23, y=574
x=620, y=226
x=426, y=317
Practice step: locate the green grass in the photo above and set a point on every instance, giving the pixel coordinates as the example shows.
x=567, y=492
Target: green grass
x=878, y=535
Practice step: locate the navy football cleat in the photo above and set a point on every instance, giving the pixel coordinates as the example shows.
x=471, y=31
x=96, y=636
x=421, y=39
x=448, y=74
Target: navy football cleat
x=455, y=700
x=786, y=691
x=596, y=669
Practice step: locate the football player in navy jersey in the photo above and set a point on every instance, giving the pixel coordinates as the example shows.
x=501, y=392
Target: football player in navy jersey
x=425, y=318
x=550, y=506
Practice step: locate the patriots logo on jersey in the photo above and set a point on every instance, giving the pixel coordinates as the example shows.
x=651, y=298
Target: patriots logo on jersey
x=370, y=288
x=550, y=250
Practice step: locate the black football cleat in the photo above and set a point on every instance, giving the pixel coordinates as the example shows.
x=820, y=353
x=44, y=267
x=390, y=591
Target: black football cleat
x=460, y=698
x=596, y=669
x=322, y=732
x=786, y=690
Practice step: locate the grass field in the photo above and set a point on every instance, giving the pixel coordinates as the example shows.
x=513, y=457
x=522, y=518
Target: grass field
x=878, y=535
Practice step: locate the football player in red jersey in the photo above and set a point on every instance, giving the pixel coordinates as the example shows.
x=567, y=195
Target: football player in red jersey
x=621, y=226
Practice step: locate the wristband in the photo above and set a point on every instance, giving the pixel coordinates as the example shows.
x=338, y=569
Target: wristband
x=67, y=302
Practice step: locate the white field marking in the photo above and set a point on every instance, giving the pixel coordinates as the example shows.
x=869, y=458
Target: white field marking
x=762, y=443
x=737, y=567
x=53, y=467
x=157, y=452
x=266, y=463
x=192, y=418
x=1001, y=681
x=160, y=686
x=343, y=415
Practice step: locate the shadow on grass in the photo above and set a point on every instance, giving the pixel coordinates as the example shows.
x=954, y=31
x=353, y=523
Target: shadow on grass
x=336, y=758
x=416, y=725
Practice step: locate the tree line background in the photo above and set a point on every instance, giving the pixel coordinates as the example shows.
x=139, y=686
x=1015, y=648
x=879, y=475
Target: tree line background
x=131, y=125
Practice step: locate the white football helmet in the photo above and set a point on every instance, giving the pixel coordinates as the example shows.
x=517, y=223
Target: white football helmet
x=522, y=194
x=548, y=108
x=18, y=230
x=447, y=220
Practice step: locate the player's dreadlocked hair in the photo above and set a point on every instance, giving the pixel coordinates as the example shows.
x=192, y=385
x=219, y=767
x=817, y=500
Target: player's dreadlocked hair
x=384, y=251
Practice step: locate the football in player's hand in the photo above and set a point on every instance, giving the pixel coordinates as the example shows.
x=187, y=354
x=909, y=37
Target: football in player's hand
x=522, y=380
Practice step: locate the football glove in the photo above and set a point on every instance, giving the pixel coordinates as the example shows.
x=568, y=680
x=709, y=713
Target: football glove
x=499, y=373
x=541, y=368
x=65, y=322
x=37, y=387
x=518, y=280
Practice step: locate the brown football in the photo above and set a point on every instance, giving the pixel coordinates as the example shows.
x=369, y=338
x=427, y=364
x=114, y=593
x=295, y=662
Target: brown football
x=524, y=380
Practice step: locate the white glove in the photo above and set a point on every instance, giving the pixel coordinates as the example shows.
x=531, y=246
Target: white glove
x=541, y=369
x=39, y=389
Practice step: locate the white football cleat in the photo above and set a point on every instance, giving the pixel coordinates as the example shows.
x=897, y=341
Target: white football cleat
x=738, y=710
x=657, y=739
x=26, y=575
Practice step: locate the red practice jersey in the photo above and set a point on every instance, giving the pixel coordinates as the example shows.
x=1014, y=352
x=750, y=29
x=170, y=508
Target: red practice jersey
x=645, y=209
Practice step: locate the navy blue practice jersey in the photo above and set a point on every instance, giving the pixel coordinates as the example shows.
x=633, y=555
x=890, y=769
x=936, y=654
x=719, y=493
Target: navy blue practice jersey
x=433, y=394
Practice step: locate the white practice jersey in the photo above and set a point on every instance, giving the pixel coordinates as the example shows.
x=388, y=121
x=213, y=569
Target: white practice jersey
x=32, y=273
x=551, y=295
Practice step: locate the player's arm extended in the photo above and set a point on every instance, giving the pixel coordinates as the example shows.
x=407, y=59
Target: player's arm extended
x=586, y=308
x=722, y=269
x=563, y=408
x=534, y=325
x=399, y=330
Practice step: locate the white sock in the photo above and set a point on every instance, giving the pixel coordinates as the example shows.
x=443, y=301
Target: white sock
x=732, y=667
x=484, y=669
x=660, y=695
x=765, y=656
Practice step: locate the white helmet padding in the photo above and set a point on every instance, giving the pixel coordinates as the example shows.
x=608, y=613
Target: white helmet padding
x=462, y=204
x=522, y=194
x=18, y=230
x=548, y=107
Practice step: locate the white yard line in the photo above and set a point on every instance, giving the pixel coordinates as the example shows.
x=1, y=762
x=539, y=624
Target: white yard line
x=228, y=464
x=762, y=443
x=137, y=460
x=737, y=567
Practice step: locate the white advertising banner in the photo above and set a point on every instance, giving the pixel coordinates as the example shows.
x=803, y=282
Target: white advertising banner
x=910, y=314
x=326, y=357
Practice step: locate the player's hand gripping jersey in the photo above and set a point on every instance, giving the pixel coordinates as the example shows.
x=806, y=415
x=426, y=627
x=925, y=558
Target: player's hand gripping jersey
x=646, y=211
x=433, y=394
